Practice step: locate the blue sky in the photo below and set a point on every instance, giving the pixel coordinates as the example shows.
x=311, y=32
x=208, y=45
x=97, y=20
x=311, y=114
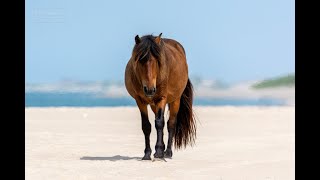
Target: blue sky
x=229, y=40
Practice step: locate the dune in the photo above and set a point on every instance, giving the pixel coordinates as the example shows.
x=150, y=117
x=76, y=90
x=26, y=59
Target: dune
x=233, y=143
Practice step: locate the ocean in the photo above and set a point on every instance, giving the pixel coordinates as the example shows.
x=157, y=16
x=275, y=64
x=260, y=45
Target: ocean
x=44, y=99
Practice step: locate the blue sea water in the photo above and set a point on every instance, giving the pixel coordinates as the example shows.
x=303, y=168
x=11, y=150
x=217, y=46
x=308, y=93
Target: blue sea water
x=41, y=99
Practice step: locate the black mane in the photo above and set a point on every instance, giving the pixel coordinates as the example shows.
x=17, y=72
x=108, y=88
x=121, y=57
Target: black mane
x=146, y=47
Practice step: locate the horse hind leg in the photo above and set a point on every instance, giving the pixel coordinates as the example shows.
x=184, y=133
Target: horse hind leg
x=174, y=108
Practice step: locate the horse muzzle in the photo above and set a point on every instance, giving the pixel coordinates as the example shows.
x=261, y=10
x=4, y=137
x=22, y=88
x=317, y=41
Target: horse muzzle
x=149, y=92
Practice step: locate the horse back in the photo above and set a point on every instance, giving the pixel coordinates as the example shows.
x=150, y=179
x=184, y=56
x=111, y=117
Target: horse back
x=177, y=69
x=175, y=44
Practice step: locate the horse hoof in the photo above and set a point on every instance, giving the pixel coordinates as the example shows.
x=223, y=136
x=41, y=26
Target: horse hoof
x=168, y=154
x=146, y=158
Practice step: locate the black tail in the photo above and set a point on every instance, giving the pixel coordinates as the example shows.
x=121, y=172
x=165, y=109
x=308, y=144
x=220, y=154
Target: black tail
x=185, y=130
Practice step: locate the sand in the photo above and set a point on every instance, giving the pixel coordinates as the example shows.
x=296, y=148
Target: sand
x=234, y=143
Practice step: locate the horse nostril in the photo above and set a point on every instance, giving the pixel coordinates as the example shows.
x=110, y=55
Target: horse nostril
x=149, y=91
x=145, y=89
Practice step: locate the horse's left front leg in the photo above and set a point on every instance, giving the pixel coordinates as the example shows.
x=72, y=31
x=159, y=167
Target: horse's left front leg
x=159, y=123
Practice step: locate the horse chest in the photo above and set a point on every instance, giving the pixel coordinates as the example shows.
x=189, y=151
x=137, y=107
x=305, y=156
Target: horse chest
x=152, y=101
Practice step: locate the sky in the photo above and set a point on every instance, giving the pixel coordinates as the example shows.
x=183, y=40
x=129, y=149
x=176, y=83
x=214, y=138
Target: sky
x=226, y=40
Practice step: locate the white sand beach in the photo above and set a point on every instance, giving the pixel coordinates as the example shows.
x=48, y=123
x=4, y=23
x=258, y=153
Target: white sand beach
x=233, y=143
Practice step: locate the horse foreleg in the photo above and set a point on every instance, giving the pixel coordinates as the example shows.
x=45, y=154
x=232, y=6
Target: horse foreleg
x=146, y=128
x=159, y=123
x=174, y=109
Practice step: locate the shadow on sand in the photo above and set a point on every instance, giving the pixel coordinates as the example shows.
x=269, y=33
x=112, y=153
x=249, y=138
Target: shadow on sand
x=112, y=158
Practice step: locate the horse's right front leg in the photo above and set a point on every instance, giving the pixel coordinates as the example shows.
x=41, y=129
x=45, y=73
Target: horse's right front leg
x=146, y=128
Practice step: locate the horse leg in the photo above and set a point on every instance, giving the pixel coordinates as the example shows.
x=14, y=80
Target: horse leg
x=174, y=108
x=159, y=123
x=146, y=128
x=153, y=108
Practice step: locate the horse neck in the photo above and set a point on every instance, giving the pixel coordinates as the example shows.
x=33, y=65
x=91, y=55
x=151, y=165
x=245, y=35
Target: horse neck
x=163, y=69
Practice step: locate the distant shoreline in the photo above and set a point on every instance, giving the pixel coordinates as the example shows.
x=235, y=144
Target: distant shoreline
x=91, y=100
x=207, y=92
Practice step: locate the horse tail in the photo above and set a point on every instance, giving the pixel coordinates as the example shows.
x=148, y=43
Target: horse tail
x=185, y=128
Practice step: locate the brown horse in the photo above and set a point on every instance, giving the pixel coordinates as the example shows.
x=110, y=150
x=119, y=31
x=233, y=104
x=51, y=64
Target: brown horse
x=156, y=75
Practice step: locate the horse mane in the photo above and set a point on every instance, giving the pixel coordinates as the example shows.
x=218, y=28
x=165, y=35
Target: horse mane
x=146, y=48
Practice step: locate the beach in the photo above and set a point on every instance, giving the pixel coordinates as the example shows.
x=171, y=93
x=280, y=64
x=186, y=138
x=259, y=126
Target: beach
x=233, y=143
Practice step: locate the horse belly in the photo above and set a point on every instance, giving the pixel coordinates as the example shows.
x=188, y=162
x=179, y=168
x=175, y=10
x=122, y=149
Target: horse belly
x=176, y=89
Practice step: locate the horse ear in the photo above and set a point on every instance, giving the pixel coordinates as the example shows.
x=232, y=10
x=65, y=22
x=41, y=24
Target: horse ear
x=137, y=39
x=158, y=39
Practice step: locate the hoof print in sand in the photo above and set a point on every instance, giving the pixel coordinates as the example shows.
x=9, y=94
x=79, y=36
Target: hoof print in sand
x=158, y=159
